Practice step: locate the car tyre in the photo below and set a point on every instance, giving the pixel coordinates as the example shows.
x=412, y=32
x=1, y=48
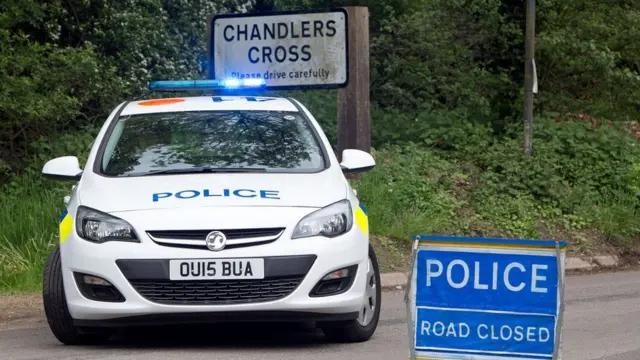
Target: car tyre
x=361, y=329
x=57, y=312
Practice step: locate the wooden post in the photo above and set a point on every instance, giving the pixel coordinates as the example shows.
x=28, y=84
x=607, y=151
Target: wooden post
x=354, y=119
x=529, y=43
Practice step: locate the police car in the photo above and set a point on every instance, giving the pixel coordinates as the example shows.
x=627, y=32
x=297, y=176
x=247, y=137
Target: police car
x=221, y=207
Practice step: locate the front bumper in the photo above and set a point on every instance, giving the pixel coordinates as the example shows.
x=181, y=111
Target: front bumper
x=217, y=317
x=122, y=264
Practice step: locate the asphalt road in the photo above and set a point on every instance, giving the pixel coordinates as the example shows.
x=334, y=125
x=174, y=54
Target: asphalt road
x=602, y=321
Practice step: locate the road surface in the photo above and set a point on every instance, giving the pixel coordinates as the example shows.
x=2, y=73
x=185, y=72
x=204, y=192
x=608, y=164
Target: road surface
x=602, y=321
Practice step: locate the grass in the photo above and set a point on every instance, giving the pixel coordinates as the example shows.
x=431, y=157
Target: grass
x=618, y=222
x=418, y=191
x=29, y=213
x=408, y=192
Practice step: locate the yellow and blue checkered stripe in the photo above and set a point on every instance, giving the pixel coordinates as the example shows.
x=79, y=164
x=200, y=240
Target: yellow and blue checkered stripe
x=467, y=242
x=66, y=225
x=362, y=219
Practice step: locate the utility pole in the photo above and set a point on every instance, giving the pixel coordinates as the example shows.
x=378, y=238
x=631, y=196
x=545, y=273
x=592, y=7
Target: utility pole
x=354, y=120
x=529, y=43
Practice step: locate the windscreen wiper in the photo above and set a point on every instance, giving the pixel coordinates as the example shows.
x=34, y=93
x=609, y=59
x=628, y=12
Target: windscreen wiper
x=202, y=170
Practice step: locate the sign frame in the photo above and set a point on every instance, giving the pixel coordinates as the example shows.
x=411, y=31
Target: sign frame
x=211, y=44
x=556, y=246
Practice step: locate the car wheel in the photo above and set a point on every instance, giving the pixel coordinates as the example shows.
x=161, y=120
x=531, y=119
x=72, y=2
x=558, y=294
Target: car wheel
x=362, y=328
x=57, y=312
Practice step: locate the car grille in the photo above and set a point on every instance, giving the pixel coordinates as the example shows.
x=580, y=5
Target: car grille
x=214, y=292
x=196, y=238
x=231, y=234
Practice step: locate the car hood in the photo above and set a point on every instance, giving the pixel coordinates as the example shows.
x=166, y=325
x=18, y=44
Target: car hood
x=207, y=190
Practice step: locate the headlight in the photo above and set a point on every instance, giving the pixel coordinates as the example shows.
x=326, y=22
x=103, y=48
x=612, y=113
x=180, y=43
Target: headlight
x=96, y=226
x=330, y=221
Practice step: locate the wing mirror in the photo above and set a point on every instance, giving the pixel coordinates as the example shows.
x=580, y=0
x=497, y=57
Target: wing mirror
x=356, y=161
x=63, y=168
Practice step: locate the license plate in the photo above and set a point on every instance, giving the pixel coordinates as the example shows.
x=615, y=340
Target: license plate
x=216, y=269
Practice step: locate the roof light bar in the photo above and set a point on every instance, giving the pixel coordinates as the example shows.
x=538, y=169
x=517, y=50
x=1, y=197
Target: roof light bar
x=232, y=83
x=186, y=85
x=253, y=82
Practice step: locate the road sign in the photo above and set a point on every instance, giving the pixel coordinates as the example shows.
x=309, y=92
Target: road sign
x=474, y=298
x=287, y=49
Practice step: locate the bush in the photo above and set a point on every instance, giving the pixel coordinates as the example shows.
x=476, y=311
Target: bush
x=408, y=192
x=587, y=58
x=29, y=210
x=580, y=177
x=38, y=102
x=571, y=161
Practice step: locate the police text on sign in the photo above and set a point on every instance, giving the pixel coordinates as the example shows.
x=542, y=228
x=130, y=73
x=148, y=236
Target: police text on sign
x=291, y=49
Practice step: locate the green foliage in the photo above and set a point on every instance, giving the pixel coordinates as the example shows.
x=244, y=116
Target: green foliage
x=415, y=190
x=571, y=161
x=578, y=178
x=408, y=192
x=617, y=219
x=36, y=101
x=588, y=58
x=513, y=215
x=65, y=65
x=418, y=62
x=29, y=210
x=449, y=131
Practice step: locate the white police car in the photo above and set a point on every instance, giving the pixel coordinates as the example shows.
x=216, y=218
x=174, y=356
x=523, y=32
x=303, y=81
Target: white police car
x=211, y=209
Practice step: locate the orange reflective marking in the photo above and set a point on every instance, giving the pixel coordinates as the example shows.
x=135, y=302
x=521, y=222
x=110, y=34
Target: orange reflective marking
x=160, y=102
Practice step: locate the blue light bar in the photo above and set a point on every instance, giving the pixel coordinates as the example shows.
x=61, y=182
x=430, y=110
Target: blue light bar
x=232, y=83
x=235, y=83
x=186, y=85
x=183, y=84
x=254, y=82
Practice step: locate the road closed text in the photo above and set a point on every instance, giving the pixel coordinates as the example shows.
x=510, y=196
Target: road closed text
x=464, y=329
x=485, y=331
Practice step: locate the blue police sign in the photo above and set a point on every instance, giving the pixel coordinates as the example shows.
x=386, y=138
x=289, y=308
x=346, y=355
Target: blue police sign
x=472, y=298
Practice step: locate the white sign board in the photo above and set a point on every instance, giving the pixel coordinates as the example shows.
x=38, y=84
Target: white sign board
x=287, y=50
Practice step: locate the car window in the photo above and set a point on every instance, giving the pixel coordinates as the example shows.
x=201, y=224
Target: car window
x=276, y=141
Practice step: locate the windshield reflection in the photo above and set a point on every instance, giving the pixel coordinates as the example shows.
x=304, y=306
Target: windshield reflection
x=277, y=141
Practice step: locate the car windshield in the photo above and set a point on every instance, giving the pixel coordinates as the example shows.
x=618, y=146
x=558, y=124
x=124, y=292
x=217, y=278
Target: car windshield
x=185, y=142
